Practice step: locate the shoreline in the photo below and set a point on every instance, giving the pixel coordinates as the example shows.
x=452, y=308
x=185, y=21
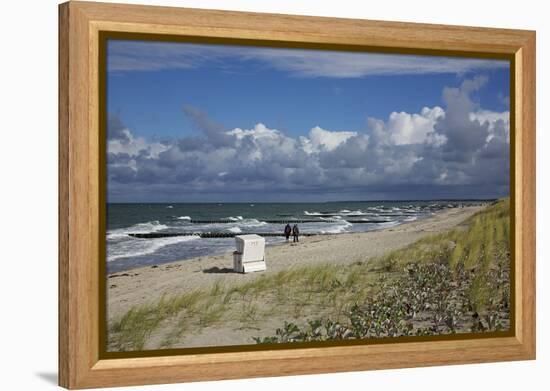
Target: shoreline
x=147, y=284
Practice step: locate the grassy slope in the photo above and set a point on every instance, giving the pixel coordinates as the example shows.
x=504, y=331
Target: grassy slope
x=457, y=281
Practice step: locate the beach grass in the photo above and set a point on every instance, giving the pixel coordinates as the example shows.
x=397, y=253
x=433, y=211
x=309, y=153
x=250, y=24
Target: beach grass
x=473, y=259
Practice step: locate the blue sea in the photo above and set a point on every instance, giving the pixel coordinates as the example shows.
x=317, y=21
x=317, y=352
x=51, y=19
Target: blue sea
x=125, y=252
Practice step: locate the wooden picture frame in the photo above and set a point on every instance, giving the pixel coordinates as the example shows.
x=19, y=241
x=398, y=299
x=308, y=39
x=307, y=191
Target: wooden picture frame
x=81, y=364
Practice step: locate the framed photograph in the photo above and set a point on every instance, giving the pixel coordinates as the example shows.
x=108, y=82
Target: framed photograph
x=247, y=195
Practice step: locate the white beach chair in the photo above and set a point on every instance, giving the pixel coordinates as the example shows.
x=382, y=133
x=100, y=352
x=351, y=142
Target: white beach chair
x=250, y=254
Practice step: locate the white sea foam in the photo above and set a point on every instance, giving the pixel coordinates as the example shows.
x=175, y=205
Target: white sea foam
x=338, y=229
x=412, y=218
x=134, y=247
x=184, y=218
x=151, y=226
x=357, y=212
x=235, y=230
x=244, y=223
x=252, y=223
x=331, y=218
x=238, y=218
x=312, y=213
x=169, y=207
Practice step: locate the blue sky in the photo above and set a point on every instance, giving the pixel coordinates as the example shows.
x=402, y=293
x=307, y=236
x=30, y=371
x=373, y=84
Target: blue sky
x=184, y=101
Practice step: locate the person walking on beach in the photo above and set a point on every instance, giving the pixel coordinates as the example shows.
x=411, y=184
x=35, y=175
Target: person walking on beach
x=295, y=233
x=288, y=231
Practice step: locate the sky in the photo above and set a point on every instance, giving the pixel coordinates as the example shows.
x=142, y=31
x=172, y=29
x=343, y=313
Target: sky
x=220, y=123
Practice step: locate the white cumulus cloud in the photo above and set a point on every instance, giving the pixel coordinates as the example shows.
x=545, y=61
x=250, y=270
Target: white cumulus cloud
x=321, y=139
x=405, y=128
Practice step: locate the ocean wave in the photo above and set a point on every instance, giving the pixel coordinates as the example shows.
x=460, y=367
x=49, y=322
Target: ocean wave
x=356, y=213
x=151, y=226
x=252, y=223
x=312, y=213
x=134, y=247
x=412, y=218
x=338, y=229
x=221, y=226
x=248, y=223
x=184, y=218
x=238, y=218
x=169, y=207
x=235, y=230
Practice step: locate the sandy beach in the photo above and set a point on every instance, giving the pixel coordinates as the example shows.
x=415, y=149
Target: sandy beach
x=148, y=284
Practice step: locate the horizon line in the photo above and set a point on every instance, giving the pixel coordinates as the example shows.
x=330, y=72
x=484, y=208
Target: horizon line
x=307, y=202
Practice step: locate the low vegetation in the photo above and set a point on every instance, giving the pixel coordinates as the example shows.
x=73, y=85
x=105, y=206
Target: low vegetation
x=457, y=281
x=289, y=294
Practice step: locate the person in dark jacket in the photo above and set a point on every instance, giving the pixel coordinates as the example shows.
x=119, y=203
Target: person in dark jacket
x=295, y=233
x=288, y=231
